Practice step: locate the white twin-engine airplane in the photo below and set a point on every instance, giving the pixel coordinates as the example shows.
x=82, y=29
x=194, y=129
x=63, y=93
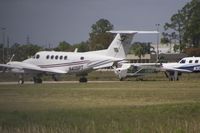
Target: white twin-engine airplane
x=79, y=63
x=185, y=65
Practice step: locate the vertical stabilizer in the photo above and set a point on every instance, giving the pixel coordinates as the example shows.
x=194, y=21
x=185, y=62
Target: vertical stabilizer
x=121, y=44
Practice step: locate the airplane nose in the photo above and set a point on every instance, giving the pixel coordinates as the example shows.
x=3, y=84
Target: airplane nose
x=163, y=65
x=117, y=71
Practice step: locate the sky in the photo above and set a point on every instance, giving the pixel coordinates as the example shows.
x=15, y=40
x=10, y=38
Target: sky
x=52, y=21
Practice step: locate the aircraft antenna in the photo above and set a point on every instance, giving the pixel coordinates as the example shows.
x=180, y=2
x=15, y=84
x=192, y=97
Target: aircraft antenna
x=12, y=57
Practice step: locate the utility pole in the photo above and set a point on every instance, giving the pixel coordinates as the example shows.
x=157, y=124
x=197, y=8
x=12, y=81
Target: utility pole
x=8, y=48
x=158, y=41
x=28, y=40
x=3, y=43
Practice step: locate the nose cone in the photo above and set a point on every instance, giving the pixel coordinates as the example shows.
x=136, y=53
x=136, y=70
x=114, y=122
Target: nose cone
x=164, y=65
x=117, y=71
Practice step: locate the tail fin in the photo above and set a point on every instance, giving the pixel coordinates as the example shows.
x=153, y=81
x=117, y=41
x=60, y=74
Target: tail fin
x=121, y=44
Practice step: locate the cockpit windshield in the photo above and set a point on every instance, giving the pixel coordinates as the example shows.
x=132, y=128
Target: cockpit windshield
x=182, y=61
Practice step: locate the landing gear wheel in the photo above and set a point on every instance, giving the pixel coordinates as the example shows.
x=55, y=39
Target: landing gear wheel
x=121, y=79
x=21, y=81
x=37, y=80
x=83, y=80
x=55, y=77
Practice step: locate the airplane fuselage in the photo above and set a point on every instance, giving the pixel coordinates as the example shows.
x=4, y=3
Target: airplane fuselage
x=68, y=62
x=188, y=64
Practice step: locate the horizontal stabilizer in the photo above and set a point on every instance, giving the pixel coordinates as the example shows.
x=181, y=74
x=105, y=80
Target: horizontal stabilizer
x=133, y=32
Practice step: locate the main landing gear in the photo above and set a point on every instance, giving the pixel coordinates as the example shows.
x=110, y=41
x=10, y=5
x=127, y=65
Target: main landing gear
x=21, y=79
x=37, y=80
x=83, y=80
x=172, y=75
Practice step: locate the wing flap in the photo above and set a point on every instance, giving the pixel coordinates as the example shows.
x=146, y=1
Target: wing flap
x=179, y=70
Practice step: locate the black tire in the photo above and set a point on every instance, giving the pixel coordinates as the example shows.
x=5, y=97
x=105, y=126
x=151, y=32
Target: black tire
x=37, y=80
x=83, y=80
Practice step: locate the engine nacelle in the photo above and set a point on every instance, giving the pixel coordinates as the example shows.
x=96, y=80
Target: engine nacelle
x=16, y=70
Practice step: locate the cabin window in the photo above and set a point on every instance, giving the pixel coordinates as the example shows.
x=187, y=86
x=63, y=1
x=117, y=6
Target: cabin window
x=47, y=57
x=65, y=57
x=56, y=57
x=190, y=61
x=82, y=58
x=61, y=57
x=37, y=56
x=52, y=56
x=182, y=61
x=196, y=61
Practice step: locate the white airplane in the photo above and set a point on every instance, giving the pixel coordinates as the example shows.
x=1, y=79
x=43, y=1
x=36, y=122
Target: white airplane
x=79, y=63
x=185, y=65
x=138, y=70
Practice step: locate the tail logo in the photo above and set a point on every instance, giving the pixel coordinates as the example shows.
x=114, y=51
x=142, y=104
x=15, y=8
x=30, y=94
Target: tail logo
x=116, y=50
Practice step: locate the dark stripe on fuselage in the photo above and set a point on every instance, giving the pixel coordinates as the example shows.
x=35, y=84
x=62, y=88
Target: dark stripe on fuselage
x=64, y=64
x=193, y=68
x=101, y=63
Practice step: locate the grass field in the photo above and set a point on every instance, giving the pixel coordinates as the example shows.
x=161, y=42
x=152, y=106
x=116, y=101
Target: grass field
x=119, y=107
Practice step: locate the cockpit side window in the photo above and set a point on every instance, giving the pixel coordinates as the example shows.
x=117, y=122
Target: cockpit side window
x=56, y=57
x=190, y=61
x=47, y=57
x=82, y=58
x=182, y=61
x=65, y=57
x=37, y=56
x=196, y=61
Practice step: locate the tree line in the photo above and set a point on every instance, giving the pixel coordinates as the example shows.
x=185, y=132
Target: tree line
x=184, y=29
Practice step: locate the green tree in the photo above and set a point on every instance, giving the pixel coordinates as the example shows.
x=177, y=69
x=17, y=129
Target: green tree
x=140, y=49
x=63, y=46
x=23, y=52
x=186, y=25
x=99, y=38
x=82, y=47
x=1, y=53
x=192, y=33
x=175, y=30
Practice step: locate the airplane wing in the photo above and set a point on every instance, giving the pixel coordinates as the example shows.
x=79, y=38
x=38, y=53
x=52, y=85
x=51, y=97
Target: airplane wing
x=176, y=69
x=158, y=66
x=103, y=63
x=22, y=67
x=147, y=64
